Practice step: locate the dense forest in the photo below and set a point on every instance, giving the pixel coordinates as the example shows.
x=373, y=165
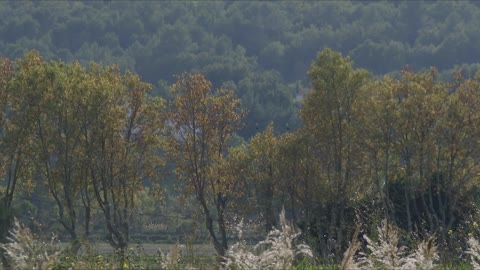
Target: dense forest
x=156, y=122
x=261, y=49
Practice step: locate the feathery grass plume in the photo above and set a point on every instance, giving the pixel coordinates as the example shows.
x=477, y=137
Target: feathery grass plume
x=424, y=256
x=238, y=256
x=170, y=260
x=25, y=251
x=348, y=261
x=277, y=251
x=386, y=253
x=474, y=252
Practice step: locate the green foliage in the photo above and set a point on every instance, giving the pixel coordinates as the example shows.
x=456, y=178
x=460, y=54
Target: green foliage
x=403, y=146
x=65, y=127
x=238, y=41
x=202, y=122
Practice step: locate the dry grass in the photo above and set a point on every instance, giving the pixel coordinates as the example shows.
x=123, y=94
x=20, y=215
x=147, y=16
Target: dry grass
x=277, y=251
x=171, y=259
x=474, y=251
x=25, y=251
x=387, y=253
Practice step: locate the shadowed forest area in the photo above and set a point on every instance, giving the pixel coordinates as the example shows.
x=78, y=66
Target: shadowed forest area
x=331, y=130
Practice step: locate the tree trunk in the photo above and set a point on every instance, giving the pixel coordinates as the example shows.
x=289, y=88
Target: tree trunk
x=219, y=248
x=407, y=208
x=6, y=221
x=332, y=227
x=269, y=214
x=221, y=221
x=87, y=221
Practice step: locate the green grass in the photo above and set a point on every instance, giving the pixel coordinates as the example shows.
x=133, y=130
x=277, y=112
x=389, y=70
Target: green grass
x=152, y=248
x=200, y=256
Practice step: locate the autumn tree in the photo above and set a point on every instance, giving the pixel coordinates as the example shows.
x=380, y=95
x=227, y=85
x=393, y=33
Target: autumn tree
x=329, y=115
x=7, y=157
x=15, y=111
x=264, y=174
x=297, y=169
x=452, y=174
x=419, y=100
x=202, y=122
x=94, y=137
x=419, y=143
x=437, y=143
x=236, y=175
x=377, y=105
x=122, y=144
x=58, y=129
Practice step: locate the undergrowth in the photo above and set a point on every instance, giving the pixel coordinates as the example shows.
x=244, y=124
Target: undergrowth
x=281, y=249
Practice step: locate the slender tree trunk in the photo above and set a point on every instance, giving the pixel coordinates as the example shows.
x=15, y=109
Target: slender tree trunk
x=221, y=221
x=87, y=221
x=269, y=214
x=407, y=208
x=219, y=248
x=427, y=211
x=332, y=227
x=341, y=230
x=6, y=222
x=292, y=205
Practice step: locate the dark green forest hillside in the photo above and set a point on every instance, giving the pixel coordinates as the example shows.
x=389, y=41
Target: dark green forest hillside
x=261, y=49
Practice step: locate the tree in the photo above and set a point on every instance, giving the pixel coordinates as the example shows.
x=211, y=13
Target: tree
x=14, y=138
x=202, y=122
x=94, y=137
x=418, y=112
x=58, y=135
x=6, y=73
x=419, y=141
x=377, y=112
x=449, y=178
x=267, y=99
x=264, y=172
x=297, y=170
x=329, y=114
x=122, y=145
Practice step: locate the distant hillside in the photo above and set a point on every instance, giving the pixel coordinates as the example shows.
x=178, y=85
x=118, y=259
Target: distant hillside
x=261, y=49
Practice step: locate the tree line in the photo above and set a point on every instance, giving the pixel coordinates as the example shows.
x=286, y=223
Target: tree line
x=250, y=46
x=402, y=148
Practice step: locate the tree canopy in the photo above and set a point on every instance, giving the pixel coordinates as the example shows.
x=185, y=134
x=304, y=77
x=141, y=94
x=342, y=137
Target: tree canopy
x=248, y=45
x=328, y=109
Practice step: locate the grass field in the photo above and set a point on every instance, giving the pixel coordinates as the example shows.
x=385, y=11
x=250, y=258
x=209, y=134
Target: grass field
x=152, y=248
x=140, y=256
